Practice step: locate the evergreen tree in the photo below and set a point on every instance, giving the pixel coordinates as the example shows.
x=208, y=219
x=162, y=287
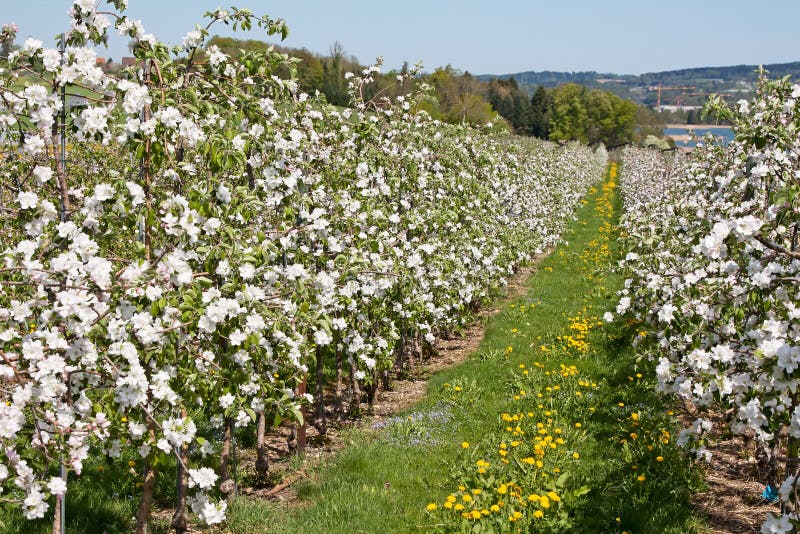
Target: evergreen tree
x=334, y=86
x=540, y=113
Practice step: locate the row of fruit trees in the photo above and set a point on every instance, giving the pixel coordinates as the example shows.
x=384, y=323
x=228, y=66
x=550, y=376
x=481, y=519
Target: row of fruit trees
x=713, y=262
x=198, y=240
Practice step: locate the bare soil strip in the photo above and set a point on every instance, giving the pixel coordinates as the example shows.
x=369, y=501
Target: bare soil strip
x=733, y=503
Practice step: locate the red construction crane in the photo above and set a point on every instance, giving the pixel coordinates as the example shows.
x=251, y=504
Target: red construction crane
x=721, y=94
x=659, y=87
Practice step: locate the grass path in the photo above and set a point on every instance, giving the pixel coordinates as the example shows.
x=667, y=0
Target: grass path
x=551, y=426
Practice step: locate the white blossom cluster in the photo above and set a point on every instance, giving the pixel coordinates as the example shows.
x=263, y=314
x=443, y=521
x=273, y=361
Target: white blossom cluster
x=210, y=232
x=714, y=266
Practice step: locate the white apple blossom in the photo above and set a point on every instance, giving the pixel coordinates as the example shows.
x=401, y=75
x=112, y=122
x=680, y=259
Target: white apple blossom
x=203, y=478
x=226, y=401
x=27, y=200
x=34, y=145
x=31, y=45
x=192, y=39
x=35, y=505
x=209, y=512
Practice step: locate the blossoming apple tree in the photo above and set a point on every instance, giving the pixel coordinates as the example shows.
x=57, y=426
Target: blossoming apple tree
x=713, y=267
x=196, y=238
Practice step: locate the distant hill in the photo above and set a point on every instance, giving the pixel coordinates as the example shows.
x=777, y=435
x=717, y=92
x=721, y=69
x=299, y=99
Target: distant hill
x=733, y=82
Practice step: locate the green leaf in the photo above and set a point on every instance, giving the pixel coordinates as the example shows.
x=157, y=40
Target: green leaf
x=250, y=412
x=583, y=490
x=297, y=415
x=204, y=282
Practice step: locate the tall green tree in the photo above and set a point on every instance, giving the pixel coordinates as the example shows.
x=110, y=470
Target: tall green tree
x=590, y=116
x=541, y=106
x=648, y=123
x=460, y=97
x=611, y=119
x=570, y=118
x=334, y=86
x=511, y=103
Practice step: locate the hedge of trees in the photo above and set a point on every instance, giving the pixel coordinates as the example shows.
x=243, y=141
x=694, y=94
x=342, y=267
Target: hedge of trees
x=569, y=112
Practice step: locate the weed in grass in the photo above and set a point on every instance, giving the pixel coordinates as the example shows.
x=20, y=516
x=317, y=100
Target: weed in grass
x=422, y=428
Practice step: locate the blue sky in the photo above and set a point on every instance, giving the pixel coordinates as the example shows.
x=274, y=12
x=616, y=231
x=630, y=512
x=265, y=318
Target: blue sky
x=502, y=36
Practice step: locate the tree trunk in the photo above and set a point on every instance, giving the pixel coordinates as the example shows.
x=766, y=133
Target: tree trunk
x=180, y=520
x=354, y=389
x=58, y=511
x=57, y=515
x=146, y=502
x=301, y=429
x=320, y=394
x=262, y=458
x=339, y=393
x=227, y=485
x=148, y=487
x=385, y=379
x=400, y=353
x=372, y=388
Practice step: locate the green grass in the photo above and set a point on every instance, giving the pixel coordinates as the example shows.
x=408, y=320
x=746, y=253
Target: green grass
x=383, y=480
x=103, y=500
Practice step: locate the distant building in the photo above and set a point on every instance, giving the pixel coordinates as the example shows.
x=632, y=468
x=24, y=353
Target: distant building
x=677, y=108
x=129, y=61
x=100, y=61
